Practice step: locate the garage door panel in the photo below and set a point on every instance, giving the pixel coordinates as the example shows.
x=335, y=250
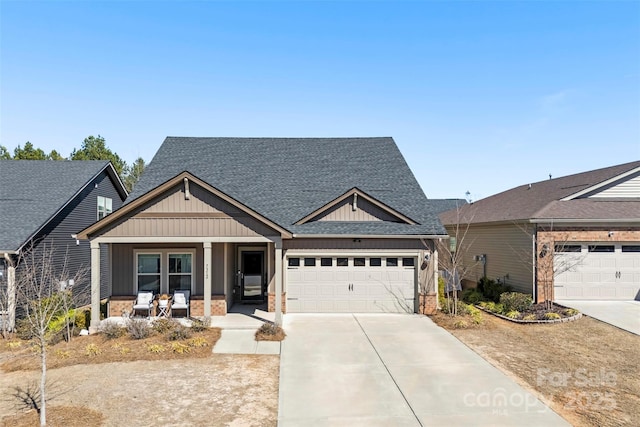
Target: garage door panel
x=361, y=289
x=600, y=276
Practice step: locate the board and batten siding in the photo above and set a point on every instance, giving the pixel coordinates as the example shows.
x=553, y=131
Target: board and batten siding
x=365, y=211
x=123, y=261
x=349, y=244
x=508, y=250
x=203, y=214
x=77, y=215
x=630, y=188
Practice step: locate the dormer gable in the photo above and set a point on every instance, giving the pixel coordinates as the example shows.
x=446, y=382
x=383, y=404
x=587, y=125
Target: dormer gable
x=356, y=206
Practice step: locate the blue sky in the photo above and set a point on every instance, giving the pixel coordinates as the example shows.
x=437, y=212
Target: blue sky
x=479, y=96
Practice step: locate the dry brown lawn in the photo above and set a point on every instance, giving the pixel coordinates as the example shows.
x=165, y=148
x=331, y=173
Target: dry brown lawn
x=586, y=370
x=95, y=381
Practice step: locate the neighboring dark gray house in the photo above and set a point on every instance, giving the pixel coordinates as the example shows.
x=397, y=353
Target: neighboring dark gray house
x=43, y=203
x=307, y=224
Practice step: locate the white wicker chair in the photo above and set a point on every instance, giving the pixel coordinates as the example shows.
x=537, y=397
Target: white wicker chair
x=180, y=301
x=144, y=301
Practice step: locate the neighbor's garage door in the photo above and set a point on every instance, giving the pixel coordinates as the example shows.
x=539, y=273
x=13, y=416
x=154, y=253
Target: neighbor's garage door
x=597, y=272
x=324, y=284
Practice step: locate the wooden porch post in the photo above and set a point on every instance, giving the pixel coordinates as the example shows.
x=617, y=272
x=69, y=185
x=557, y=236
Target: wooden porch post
x=207, y=279
x=95, y=287
x=278, y=272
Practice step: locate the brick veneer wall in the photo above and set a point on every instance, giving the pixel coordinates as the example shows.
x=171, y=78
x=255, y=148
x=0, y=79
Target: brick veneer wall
x=271, y=302
x=428, y=304
x=218, y=305
x=120, y=304
x=568, y=235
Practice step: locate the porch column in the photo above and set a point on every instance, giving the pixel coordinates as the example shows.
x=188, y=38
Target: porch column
x=207, y=279
x=11, y=293
x=95, y=287
x=435, y=275
x=278, y=271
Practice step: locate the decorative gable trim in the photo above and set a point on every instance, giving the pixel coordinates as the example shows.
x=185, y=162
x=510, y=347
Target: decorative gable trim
x=355, y=193
x=130, y=208
x=602, y=184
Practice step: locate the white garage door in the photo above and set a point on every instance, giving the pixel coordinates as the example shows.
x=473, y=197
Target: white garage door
x=600, y=271
x=334, y=284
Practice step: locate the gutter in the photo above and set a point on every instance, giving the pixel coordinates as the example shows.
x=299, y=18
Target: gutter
x=370, y=236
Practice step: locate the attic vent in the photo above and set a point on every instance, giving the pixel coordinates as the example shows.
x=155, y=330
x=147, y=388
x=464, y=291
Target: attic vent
x=187, y=195
x=354, y=207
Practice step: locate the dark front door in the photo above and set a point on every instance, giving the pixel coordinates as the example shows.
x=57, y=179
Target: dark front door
x=252, y=271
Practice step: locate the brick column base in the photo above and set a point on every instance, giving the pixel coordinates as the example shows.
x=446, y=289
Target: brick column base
x=218, y=306
x=428, y=304
x=271, y=303
x=119, y=304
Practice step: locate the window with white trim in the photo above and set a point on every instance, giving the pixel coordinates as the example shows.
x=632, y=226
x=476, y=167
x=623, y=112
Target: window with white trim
x=105, y=206
x=180, y=272
x=148, y=272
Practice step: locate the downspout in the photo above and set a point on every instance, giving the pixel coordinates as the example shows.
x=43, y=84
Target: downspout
x=534, y=270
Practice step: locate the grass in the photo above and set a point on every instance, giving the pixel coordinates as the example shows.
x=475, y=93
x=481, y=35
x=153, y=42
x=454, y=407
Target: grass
x=597, y=361
x=56, y=416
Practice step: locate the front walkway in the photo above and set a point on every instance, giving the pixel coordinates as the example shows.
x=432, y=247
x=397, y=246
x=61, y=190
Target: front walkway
x=401, y=370
x=622, y=314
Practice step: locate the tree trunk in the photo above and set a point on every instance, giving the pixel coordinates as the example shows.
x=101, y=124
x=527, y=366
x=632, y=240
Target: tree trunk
x=43, y=380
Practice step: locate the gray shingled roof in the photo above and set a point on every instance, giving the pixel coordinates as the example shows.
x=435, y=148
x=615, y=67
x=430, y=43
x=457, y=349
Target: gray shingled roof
x=32, y=191
x=285, y=179
x=542, y=200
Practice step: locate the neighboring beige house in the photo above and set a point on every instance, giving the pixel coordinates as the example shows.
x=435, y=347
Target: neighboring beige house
x=305, y=224
x=576, y=237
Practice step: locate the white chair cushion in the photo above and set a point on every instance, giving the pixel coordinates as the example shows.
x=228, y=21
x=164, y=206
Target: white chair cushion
x=179, y=299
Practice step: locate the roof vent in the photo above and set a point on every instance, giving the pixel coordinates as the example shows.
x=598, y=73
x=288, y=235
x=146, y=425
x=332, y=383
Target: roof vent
x=354, y=207
x=529, y=186
x=187, y=195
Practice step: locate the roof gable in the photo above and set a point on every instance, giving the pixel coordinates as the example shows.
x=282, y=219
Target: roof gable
x=185, y=197
x=355, y=205
x=33, y=192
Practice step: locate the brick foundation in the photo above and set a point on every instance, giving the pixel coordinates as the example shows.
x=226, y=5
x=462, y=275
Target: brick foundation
x=271, y=303
x=218, y=305
x=119, y=304
x=545, y=273
x=428, y=304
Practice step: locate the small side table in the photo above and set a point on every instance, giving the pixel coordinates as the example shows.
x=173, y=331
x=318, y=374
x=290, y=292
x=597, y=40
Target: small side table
x=164, y=310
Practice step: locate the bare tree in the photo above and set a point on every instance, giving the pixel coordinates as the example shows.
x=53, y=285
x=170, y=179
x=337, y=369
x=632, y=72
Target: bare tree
x=553, y=254
x=41, y=301
x=452, y=255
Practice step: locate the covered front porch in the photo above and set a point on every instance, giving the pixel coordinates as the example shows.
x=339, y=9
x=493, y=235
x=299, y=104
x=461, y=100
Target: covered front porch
x=218, y=274
x=186, y=235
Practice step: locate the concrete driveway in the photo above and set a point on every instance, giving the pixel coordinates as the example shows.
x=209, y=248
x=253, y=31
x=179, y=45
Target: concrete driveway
x=400, y=370
x=622, y=314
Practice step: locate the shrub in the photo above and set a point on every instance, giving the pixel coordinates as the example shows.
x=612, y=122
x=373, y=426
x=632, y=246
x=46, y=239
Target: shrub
x=198, y=342
x=441, y=296
x=515, y=301
x=14, y=345
x=460, y=324
x=530, y=317
x=448, y=306
x=571, y=312
x=551, y=316
x=472, y=296
x=163, y=325
x=179, y=333
x=498, y=308
x=492, y=289
x=111, y=330
x=82, y=319
x=156, y=348
x=138, y=329
x=476, y=315
x=198, y=325
x=62, y=354
x=180, y=348
x=92, y=350
x=121, y=348
x=513, y=314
